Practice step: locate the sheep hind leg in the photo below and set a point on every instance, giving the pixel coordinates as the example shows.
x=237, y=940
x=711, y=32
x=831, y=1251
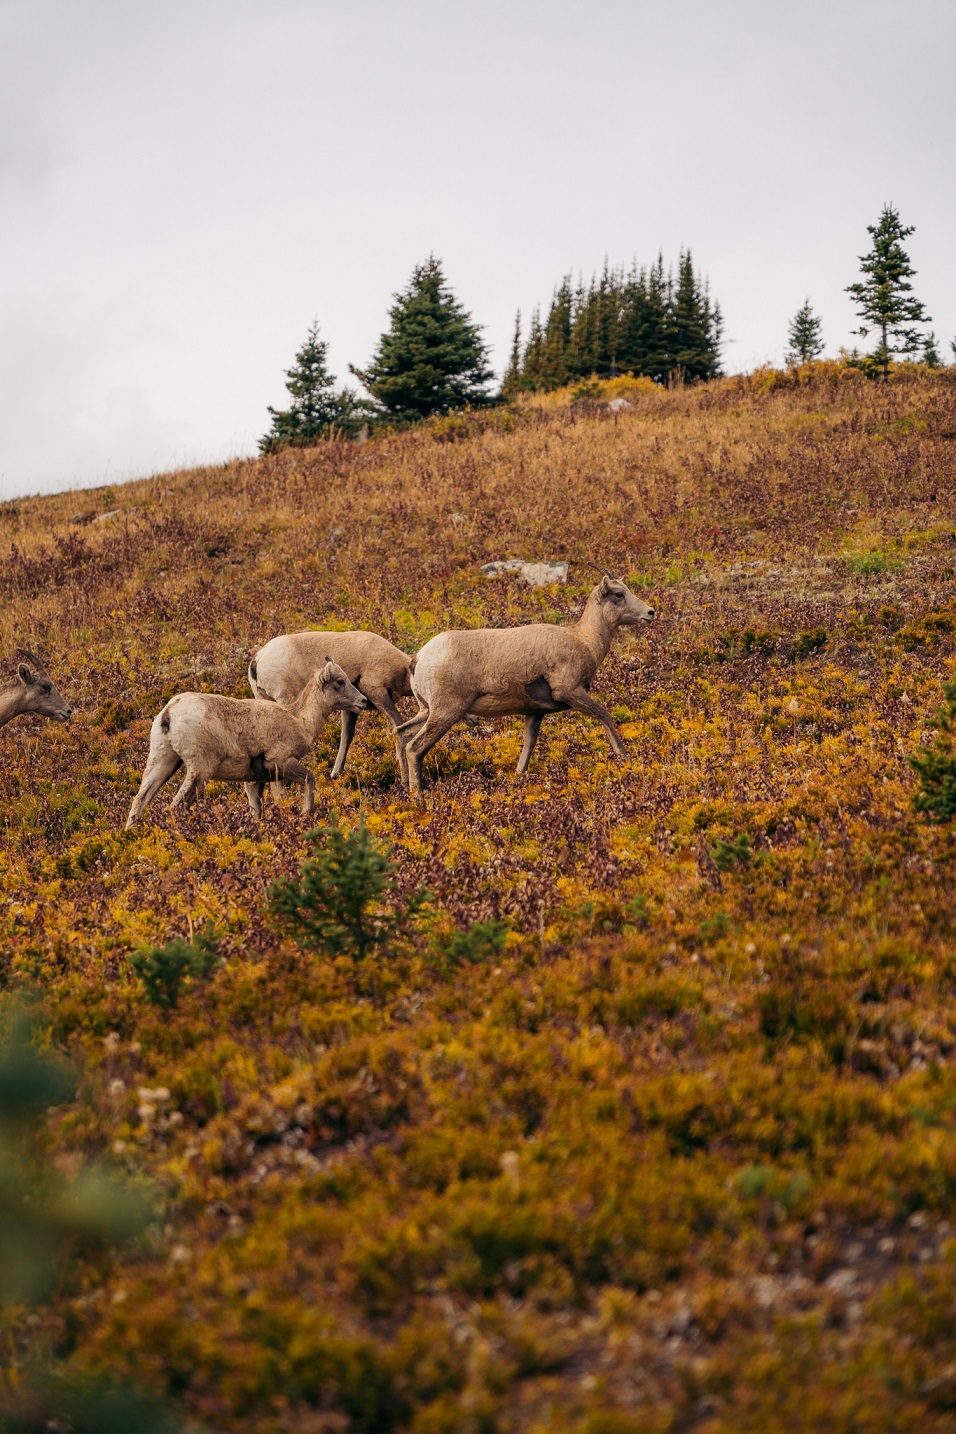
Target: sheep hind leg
x=349, y=720
x=436, y=725
x=532, y=726
x=159, y=769
x=191, y=788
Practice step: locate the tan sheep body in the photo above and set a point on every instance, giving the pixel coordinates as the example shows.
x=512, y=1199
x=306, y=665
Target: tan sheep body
x=241, y=739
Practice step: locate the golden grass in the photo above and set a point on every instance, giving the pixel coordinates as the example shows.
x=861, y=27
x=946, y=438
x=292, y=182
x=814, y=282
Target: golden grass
x=684, y=1155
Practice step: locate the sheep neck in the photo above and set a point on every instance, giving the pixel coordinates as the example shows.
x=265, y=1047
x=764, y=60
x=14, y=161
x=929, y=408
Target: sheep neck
x=11, y=702
x=594, y=630
x=310, y=711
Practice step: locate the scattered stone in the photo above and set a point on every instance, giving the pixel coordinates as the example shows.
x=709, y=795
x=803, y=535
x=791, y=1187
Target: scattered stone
x=618, y=405
x=458, y=519
x=336, y=535
x=109, y=516
x=82, y=518
x=536, y=575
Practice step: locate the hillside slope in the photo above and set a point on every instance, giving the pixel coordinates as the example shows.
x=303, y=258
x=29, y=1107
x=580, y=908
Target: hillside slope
x=683, y=1153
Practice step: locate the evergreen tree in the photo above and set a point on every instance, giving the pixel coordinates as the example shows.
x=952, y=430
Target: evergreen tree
x=556, y=339
x=883, y=297
x=511, y=383
x=433, y=358
x=694, y=326
x=316, y=411
x=805, y=335
x=931, y=356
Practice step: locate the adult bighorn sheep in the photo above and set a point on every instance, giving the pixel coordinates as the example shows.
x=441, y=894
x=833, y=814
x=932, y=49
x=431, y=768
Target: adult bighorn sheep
x=284, y=665
x=533, y=670
x=32, y=690
x=242, y=739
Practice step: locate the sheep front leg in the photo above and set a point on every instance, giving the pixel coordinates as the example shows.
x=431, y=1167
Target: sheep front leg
x=381, y=698
x=579, y=701
x=254, y=791
x=349, y=720
x=532, y=726
x=297, y=773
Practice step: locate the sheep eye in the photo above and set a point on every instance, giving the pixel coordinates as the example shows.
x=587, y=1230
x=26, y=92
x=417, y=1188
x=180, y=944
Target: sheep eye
x=339, y=683
x=46, y=686
x=617, y=597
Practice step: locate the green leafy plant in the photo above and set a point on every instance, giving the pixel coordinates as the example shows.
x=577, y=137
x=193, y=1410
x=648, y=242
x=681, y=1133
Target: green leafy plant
x=337, y=903
x=936, y=765
x=164, y=969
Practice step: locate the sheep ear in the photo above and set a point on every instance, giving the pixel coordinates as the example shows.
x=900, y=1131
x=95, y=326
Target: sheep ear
x=605, y=586
x=25, y=674
x=325, y=675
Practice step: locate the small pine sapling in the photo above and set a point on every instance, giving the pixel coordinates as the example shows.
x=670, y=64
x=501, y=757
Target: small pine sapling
x=481, y=942
x=936, y=765
x=164, y=969
x=337, y=904
x=931, y=356
x=884, y=296
x=805, y=336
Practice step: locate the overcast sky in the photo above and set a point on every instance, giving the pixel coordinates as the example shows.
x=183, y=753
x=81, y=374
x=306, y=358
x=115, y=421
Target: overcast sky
x=184, y=186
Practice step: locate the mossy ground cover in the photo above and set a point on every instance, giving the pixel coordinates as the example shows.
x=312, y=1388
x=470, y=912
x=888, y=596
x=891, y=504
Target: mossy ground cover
x=680, y=1152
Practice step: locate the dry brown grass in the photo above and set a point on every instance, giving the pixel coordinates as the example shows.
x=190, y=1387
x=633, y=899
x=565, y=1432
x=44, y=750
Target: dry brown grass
x=683, y=1157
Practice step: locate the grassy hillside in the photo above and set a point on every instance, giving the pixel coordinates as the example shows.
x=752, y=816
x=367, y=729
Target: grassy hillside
x=683, y=1153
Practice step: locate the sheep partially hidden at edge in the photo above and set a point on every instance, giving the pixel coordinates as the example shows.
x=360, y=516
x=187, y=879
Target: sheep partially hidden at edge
x=284, y=665
x=533, y=670
x=32, y=691
x=241, y=739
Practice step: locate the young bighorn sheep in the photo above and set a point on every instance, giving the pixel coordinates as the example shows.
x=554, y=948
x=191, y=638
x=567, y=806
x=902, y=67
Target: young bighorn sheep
x=241, y=739
x=284, y=665
x=32, y=691
x=530, y=670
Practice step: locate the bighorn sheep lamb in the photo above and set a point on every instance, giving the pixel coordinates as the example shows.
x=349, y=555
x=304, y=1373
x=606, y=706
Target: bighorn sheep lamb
x=530, y=670
x=284, y=665
x=242, y=739
x=32, y=691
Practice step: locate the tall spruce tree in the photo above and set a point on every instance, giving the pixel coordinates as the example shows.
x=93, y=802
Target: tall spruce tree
x=884, y=296
x=317, y=411
x=805, y=335
x=433, y=358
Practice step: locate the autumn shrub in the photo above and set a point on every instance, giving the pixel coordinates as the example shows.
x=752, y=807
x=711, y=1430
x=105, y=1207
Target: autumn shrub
x=164, y=969
x=936, y=765
x=337, y=903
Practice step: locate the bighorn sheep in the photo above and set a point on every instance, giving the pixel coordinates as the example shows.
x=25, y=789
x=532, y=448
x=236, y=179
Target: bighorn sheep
x=32, y=691
x=284, y=665
x=530, y=670
x=241, y=739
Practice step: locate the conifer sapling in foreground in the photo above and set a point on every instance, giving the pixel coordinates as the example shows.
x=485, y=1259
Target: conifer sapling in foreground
x=432, y=359
x=884, y=296
x=337, y=904
x=805, y=336
x=936, y=765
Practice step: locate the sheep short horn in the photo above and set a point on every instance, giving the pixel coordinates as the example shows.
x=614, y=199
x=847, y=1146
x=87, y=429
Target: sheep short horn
x=598, y=568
